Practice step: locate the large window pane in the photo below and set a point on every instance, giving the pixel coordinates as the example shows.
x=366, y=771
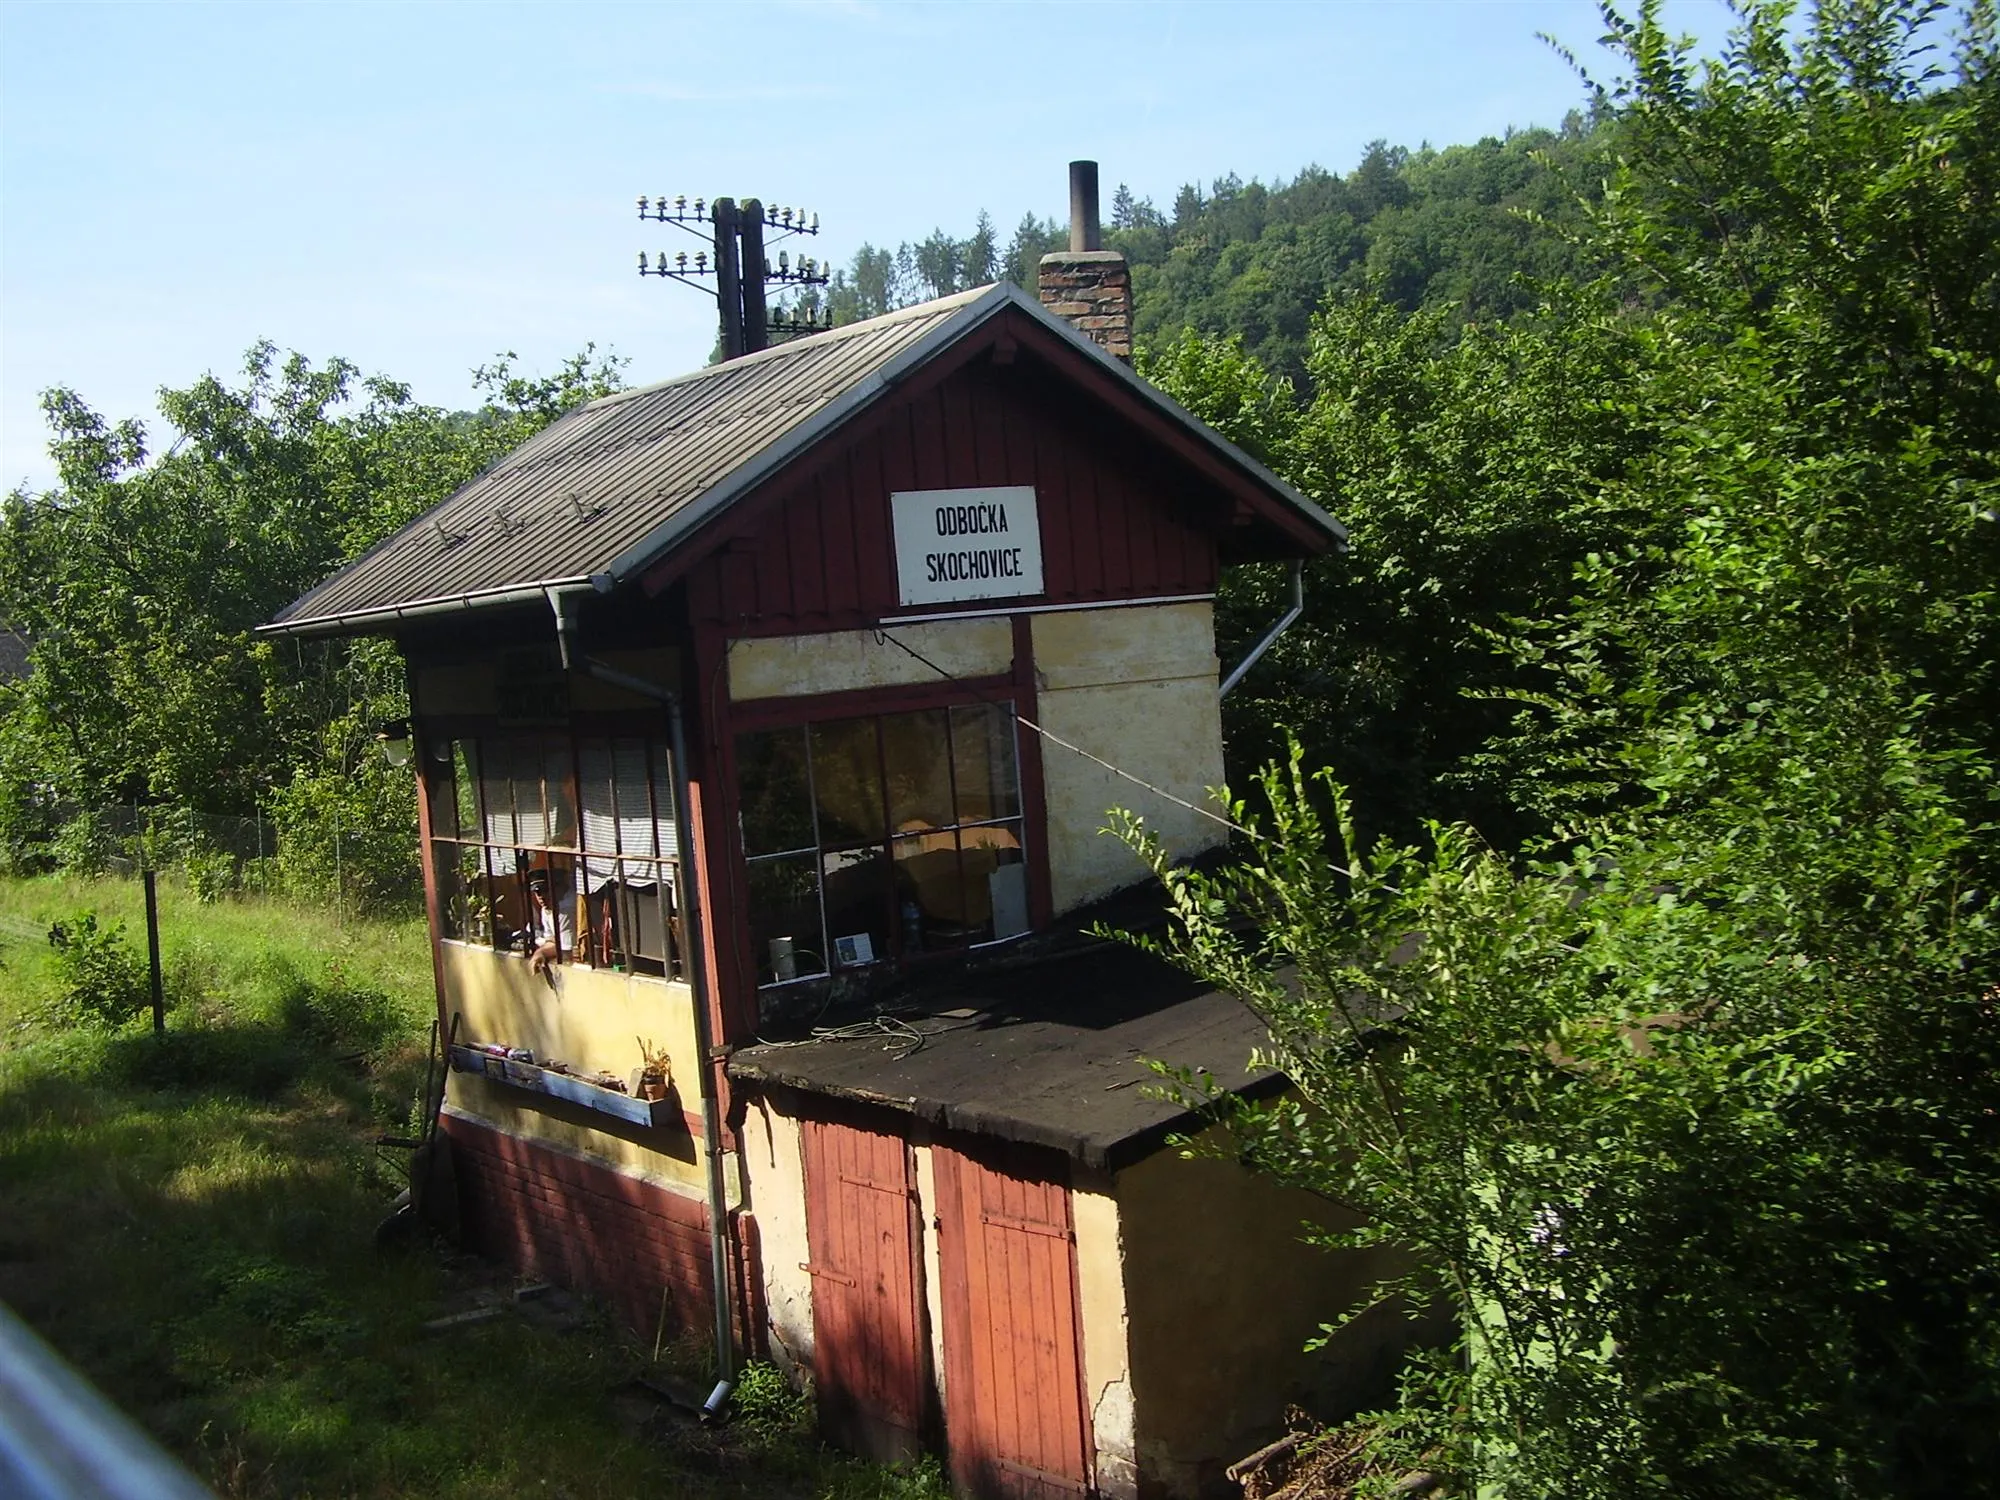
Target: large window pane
x=784, y=917
x=452, y=911
x=636, y=831
x=441, y=797
x=666, y=824
x=996, y=881
x=930, y=895
x=774, y=792
x=955, y=882
x=465, y=779
x=600, y=812
x=911, y=824
x=496, y=790
x=982, y=748
x=857, y=905
x=847, y=782
x=916, y=754
x=561, y=806
x=646, y=910
x=531, y=816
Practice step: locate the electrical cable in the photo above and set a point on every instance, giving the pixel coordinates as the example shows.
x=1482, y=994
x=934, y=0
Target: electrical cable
x=883, y=635
x=893, y=1027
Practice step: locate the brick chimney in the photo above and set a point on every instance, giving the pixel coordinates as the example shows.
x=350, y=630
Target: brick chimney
x=1087, y=284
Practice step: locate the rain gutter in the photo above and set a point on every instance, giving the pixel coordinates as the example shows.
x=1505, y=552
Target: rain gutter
x=1257, y=651
x=430, y=609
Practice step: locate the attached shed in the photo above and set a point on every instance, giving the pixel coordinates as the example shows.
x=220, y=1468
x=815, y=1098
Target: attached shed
x=803, y=683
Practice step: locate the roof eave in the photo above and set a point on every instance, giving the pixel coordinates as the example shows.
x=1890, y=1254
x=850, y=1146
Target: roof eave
x=383, y=619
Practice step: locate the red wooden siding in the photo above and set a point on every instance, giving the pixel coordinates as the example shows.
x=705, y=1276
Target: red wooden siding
x=1014, y=1407
x=869, y=1347
x=1118, y=522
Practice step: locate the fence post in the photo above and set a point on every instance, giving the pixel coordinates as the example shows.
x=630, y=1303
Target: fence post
x=153, y=952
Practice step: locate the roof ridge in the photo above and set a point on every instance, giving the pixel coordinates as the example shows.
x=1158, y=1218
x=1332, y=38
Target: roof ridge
x=936, y=307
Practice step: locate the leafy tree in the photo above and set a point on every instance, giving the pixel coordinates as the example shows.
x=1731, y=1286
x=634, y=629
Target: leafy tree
x=940, y=265
x=1471, y=474
x=138, y=580
x=1123, y=208
x=1691, y=1114
x=979, y=258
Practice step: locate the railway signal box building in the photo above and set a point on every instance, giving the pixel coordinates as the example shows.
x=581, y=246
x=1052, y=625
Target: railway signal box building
x=766, y=721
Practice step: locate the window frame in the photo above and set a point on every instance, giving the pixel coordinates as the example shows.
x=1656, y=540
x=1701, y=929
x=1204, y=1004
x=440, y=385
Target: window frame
x=605, y=924
x=877, y=712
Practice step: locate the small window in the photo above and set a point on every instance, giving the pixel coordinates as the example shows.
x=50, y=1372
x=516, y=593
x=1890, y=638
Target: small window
x=877, y=838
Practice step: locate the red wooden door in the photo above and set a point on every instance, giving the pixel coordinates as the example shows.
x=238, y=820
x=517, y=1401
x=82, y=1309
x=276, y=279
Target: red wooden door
x=869, y=1346
x=1014, y=1408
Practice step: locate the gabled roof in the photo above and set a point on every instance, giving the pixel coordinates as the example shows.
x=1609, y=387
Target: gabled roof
x=612, y=488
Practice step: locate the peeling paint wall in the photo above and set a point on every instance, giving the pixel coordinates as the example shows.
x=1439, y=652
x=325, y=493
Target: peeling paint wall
x=1135, y=687
x=1222, y=1295
x=1107, y=1382
x=775, y=1167
x=928, y=1209
x=591, y=1019
x=801, y=665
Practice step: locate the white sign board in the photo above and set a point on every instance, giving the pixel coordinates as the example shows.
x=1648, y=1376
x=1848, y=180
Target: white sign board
x=966, y=544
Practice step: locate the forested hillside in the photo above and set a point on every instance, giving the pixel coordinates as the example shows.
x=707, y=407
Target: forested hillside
x=1473, y=230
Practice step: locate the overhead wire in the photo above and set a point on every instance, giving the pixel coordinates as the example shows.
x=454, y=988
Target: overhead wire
x=882, y=635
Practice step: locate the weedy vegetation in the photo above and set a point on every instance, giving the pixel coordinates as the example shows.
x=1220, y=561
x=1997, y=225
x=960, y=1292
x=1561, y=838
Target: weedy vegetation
x=190, y=1221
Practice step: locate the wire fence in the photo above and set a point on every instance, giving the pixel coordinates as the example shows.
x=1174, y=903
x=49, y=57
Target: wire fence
x=219, y=854
x=139, y=837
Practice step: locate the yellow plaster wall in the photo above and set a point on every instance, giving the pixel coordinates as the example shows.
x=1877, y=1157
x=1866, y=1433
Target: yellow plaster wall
x=774, y=1164
x=841, y=661
x=1107, y=1374
x=591, y=1019
x=1222, y=1296
x=1136, y=687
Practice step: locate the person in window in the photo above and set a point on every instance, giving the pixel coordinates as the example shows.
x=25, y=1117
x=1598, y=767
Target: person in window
x=552, y=922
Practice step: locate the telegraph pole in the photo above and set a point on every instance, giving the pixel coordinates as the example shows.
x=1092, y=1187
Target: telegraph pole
x=736, y=262
x=728, y=278
x=756, y=315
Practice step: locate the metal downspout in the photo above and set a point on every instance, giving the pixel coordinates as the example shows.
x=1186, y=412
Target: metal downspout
x=1257, y=651
x=711, y=1125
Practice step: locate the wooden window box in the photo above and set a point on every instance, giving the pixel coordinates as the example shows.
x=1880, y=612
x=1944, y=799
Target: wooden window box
x=535, y=1079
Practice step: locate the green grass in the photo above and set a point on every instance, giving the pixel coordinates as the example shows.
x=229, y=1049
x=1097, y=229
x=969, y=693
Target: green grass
x=189, y=1220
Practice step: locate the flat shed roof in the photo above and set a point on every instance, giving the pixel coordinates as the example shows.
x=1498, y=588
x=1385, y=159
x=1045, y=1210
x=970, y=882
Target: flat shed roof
x=1050, y=1053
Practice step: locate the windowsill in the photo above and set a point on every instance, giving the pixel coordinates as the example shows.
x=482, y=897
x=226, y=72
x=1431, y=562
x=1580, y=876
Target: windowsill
x=470, y=946
x=893, y=965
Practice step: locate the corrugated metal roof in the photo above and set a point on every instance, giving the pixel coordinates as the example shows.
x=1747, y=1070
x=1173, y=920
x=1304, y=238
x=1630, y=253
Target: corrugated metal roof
x=612, y=486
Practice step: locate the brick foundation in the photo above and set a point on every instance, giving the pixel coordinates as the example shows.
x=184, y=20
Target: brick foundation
x=586, y=1226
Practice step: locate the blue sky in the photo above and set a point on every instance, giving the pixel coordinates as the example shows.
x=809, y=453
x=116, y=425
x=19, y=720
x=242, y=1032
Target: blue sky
x=418, y=187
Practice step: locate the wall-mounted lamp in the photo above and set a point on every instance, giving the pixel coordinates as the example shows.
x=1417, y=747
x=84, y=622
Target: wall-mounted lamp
x=394, y=738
